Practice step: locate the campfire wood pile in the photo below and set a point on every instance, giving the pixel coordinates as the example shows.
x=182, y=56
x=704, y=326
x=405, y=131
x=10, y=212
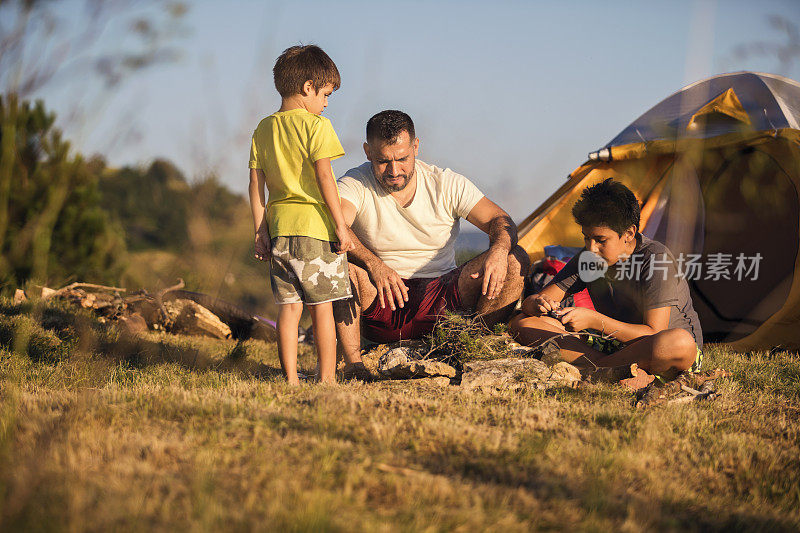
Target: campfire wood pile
x=172, y=309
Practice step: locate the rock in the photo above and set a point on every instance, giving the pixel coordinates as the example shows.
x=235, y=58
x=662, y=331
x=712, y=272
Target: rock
x=402, y=363
x=438, y=381
x=441, y=381
x=132, y=324
x=522, y=351
x=565, y=373
x=517, y=374
x=19, y=296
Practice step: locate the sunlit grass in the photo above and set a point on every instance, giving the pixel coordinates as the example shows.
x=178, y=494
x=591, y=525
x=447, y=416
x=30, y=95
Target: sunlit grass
x=102, y=432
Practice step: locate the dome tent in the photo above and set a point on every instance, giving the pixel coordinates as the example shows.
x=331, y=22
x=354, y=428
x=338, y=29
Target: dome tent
x=716, y=167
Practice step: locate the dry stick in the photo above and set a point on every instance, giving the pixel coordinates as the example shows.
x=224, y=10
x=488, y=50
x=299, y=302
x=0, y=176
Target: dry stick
x=159, y=297
x=79, y=285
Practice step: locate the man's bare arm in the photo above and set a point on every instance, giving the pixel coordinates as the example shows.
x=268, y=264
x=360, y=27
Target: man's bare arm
x=492, y=220
x=495, y=222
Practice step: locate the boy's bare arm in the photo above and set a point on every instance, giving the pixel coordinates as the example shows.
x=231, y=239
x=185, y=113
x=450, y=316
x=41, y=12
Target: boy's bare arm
x=580, y=318
x=257, y=203
x=257, y=197
x=327, y=186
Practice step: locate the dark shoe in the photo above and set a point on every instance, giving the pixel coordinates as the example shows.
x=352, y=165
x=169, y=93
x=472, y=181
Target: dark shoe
x=659, y=392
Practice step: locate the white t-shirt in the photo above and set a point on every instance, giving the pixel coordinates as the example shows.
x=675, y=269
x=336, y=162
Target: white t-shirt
x=417, y=241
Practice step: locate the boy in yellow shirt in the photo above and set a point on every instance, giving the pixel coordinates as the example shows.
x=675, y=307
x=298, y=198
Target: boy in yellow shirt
x=298, y=228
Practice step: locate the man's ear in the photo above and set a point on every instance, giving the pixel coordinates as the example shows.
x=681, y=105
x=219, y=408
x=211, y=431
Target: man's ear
x=308, y=88
x=367, y=152
x=630, y=233
x=416, y=147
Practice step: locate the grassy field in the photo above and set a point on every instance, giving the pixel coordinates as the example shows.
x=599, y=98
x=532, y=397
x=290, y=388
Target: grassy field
x=100, y=432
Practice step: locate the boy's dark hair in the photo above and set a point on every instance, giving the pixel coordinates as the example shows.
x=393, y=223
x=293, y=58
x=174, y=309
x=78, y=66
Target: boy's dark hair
x=299, y=64
x=387, y=125
x=608, y=203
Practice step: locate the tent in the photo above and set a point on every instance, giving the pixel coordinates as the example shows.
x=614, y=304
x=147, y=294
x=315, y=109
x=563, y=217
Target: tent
x=716, y=167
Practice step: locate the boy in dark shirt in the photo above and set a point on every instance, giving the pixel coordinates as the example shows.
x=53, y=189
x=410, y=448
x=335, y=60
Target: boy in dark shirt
x=644, y=312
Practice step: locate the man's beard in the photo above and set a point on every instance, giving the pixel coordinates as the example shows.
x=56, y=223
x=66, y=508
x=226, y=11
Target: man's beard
x=398, y=187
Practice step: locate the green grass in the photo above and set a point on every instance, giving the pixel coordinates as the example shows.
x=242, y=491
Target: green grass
x=101, y=432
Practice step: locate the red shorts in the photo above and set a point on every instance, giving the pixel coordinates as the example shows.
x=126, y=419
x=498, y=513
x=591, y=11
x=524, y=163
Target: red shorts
x=427, y=299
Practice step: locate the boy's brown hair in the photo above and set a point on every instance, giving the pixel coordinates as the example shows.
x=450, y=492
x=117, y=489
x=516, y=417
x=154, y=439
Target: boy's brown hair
x=299, y=64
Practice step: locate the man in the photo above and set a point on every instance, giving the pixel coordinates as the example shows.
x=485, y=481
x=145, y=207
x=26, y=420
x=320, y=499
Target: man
x=405, y=218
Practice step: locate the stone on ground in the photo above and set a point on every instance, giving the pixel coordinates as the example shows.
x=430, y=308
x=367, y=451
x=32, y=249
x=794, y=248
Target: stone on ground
x=517, y=374
x=403, y=363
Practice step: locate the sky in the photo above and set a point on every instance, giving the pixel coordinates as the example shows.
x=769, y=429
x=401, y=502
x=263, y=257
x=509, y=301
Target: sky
x=513, y=95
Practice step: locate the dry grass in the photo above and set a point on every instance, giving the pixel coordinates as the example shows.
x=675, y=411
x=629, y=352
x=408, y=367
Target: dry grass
x=97, y=432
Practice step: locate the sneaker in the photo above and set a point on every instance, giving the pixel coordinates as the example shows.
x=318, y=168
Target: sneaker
x=659, y=392
x=357, y=372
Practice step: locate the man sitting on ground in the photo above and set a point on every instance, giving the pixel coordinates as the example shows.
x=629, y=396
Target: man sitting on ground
x=644, y=312
x=406, y=213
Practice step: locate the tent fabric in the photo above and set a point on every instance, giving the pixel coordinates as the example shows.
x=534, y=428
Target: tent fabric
x=722, y=187
x=771, y=102
x=727, y=105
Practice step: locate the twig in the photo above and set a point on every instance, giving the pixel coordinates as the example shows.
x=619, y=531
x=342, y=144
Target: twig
x=79, y=285
x=159, y=297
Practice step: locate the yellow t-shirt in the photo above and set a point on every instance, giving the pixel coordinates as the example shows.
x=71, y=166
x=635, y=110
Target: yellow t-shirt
x=285, y=146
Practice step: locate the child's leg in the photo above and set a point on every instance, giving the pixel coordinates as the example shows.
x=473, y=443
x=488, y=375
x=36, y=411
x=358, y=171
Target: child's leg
x=665, y=351
x=288, y=320
x=325, y=339
x=532, y=330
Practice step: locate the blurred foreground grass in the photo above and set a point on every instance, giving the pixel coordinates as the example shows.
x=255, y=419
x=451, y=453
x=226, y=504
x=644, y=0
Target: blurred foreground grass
x=99, y=432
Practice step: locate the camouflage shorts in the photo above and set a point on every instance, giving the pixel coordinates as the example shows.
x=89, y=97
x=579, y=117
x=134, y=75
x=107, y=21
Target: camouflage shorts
x=304, y=269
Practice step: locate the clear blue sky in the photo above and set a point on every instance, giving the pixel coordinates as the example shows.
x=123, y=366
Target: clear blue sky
x=511, y=94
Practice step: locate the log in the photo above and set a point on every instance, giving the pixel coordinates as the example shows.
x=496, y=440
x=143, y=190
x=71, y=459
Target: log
x=194, y=319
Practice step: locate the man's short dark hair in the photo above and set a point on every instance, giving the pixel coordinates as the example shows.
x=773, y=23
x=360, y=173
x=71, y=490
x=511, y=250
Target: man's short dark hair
x=608, y=203
x=299, y=64
x=387, y=126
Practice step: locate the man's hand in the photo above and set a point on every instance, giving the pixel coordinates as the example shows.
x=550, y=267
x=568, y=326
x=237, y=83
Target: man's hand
x=580, y=318
x=346, y=242
x=493, y=271
x=389, y=283
x=263, y=249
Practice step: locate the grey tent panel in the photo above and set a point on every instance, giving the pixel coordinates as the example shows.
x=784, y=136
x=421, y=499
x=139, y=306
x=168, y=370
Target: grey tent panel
x=771, y=101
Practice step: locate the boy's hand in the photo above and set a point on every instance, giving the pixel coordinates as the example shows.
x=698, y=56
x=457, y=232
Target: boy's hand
x=543, y=306
x=579, y=318
x=345, y=241
x=263, y=249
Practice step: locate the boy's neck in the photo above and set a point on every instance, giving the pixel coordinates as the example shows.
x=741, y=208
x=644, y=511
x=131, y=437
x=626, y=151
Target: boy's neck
x=292, y=102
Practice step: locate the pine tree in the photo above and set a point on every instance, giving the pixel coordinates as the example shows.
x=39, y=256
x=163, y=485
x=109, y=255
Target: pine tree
x=52, y=225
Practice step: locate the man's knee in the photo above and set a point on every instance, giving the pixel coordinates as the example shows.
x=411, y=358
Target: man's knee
x=518, y=262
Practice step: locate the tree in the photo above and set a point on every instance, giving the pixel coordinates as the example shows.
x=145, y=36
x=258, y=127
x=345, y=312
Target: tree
x=52, y=225
x=151, y=204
